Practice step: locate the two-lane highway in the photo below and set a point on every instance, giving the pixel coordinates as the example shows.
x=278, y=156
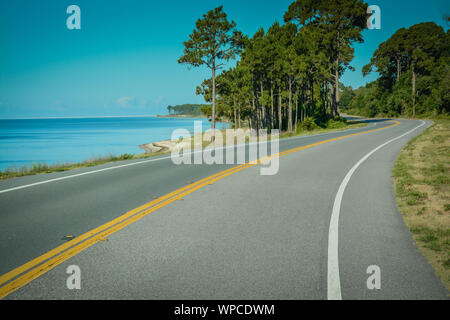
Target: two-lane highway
x=234, y=235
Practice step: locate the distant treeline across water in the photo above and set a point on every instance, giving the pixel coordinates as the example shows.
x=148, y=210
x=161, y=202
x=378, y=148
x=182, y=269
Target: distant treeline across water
x=186, y=109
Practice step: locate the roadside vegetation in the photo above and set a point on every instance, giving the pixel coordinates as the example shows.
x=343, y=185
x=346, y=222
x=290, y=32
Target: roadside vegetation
x=422, y=185
x=309, y=127
x=40, y=168
x=414, y=68
x=285, y=77
x=288, y=75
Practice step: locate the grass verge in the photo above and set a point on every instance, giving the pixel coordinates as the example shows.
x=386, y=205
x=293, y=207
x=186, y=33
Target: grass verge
x=42, y=168
x=422, y=185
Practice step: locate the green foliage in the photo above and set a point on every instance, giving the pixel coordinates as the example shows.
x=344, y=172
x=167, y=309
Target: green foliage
x=308, y=124
x=214, y=39
x=206, y=110
x=436, y=240
x=335, y=124
x=186, y=109
x=347, y=95
x=414, y=68
x=290, y=72
x=213, y=43
x=285, y=74
x=39, y=168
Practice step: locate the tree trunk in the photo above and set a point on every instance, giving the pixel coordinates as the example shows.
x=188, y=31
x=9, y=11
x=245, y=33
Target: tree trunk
x=302, y=108
x=413, y=80
x=333, y=98
x=289, y=116
x=255, y=113
x=213, y=120
x=398, y=69
x=235, y=115
x=239, y=115
x=296, y=110
x=337, y=109
x=271, y=108
x=263, y=108
x=330, y=96
x=280, y=117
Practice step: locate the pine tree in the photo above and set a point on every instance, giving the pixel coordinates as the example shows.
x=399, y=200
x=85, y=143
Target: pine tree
x=214, y=42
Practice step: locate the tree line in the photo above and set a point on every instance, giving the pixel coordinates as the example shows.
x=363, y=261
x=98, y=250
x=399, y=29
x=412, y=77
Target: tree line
x=185, y=109
x=414, y=69
x=288, y=75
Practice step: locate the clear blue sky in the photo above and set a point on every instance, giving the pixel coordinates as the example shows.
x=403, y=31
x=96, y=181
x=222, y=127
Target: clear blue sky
x=123, y=61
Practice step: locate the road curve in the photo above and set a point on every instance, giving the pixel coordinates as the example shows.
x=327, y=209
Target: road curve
x=245, y=236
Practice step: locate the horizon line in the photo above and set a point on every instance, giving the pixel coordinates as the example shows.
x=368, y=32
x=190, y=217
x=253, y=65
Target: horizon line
x=78, y=117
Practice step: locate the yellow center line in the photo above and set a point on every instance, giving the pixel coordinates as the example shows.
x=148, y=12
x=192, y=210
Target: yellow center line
x=42, y=264
x=8, y=276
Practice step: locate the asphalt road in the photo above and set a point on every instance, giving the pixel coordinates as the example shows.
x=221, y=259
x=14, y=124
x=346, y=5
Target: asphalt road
x=245, y=236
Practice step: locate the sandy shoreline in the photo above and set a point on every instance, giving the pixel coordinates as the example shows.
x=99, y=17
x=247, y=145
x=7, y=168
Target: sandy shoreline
x=198, y=141
x=169, y=145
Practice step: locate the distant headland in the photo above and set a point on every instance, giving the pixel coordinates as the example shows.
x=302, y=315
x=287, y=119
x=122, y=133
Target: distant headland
x=186, y=111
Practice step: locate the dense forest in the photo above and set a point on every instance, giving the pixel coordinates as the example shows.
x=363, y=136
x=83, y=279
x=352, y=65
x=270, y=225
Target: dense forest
x=287, y=77
x=414, y=69
x=185, y=109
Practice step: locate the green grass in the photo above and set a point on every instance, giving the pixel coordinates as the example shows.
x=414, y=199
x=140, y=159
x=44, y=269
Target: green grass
x=436, y=240
x=422, y=177
x=42, y=168
x=415, y=197
x=436, y=168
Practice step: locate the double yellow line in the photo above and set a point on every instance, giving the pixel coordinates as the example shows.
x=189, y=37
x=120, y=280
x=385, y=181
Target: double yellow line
x=24, y=274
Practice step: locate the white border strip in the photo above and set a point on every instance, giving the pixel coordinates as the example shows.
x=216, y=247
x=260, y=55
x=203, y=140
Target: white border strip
x=334, y=282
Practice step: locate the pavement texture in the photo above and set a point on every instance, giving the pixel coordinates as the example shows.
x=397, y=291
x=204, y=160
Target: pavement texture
x=246, y=236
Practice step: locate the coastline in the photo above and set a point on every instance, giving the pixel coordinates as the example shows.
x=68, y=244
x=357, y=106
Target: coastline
x=161, y=148
x=66, y=141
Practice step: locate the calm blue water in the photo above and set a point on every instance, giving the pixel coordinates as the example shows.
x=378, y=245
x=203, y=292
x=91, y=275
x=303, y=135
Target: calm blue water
x=27, y=141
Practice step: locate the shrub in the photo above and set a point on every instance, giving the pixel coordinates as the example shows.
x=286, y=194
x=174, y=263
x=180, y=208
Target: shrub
x=333, y=124
x=308, y=124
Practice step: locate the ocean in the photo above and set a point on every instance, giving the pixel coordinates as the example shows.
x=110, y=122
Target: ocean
x=58, y=141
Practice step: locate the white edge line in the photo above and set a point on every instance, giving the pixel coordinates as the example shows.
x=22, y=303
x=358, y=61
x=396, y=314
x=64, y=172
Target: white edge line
x=334, y=283
x=146, y=161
